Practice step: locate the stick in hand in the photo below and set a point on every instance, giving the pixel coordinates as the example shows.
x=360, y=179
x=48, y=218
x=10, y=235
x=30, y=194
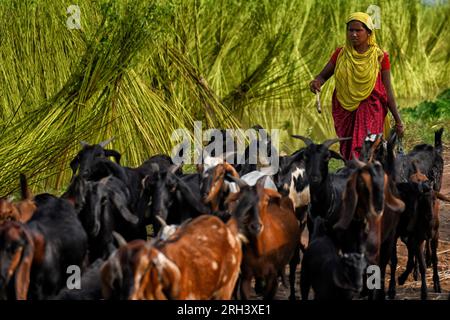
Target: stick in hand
x=319, y=108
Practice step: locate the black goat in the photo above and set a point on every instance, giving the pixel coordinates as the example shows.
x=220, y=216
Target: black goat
x=34, y=257
x=90, y=286
x=94, y=166
x=419, y=225
x=333, y=276
x=325, y=188
x=84, y=159
x=420, y=198
x=428, y=159
x=102, y=207
x=365, y=197
x=176, y=198
x=292, y=180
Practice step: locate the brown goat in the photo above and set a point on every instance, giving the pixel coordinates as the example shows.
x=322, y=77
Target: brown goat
x=365, y=199
x=267, y=254
x=18, y=211
x=200, y=261
x=370, y=203
x=213, y=184
x=17, y=261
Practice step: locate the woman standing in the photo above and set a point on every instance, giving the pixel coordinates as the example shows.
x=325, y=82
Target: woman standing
x=363, y=90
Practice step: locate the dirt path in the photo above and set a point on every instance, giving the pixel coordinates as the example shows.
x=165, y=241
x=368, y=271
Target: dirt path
x=411, y=289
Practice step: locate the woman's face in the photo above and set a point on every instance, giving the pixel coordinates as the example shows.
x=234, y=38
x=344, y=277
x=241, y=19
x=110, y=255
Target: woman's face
x=357, y=34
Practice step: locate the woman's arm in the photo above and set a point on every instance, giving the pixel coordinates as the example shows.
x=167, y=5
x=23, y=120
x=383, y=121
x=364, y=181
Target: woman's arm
x=323, y=76
x=392, y=105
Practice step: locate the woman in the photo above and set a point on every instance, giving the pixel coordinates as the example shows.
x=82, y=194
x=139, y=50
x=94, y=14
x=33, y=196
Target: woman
x=363, y=86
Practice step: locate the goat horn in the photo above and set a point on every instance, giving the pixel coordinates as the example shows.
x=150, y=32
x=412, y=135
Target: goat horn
x=328, y=143
x=230, y=169
x=174, y=168
x=307, y=141
x=228, y=155
x=120, y=240
x=104, y=143
x=161, y=220
x=359, y=163
x=261, y=182
x=241, y=183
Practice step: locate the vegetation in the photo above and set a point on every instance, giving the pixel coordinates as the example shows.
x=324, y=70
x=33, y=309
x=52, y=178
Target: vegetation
x=137, y=70
x=425, y=118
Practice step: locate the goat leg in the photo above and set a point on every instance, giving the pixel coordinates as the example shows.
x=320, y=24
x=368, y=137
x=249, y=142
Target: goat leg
x=409, y=264
x=245, y=287
x=422, y=269
x=428, y=253
x=394, y=261
x=271, y=286
x=415, y=272
x=260, y=284
x=434, y=259
x=305, y=283
x=292, y=268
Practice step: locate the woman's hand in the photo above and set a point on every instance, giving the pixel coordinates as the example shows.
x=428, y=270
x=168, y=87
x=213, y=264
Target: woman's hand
x=400, y=129
x=315, y=85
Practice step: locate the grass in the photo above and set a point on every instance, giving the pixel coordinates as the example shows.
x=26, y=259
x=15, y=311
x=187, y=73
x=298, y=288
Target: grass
x=423, y=119
x=137, y=70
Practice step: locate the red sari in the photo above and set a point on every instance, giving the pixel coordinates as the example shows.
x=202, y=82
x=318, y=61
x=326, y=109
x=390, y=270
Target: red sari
x=368, y=117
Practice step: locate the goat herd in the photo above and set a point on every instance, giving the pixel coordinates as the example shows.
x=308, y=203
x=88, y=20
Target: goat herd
x=217, y=230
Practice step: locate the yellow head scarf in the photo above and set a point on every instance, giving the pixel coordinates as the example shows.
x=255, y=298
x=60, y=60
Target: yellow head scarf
x=356, y=73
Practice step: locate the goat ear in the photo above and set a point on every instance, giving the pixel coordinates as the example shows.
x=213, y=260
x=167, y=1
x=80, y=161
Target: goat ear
x=120, y=202
x=25, y=192
x=169, y=274
x=95, y=212
x=26, y=210
x=232, y=197
x=74, y=164
x=273, y=195
x=392, y=202
x=349, y=202
x=335, y=155
x=22, y=282
x=292, y=159
x=113, y=153
x=216, y=186
x=39, y=248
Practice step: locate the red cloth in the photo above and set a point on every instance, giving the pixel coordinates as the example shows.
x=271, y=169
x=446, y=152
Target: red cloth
x=369, y=117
